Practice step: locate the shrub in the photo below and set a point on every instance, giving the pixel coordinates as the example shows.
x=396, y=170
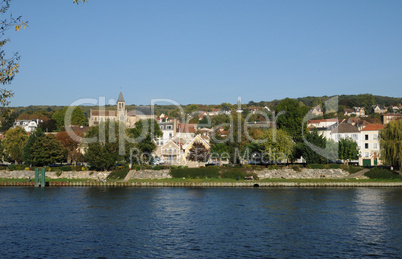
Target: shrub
x=317, y=166
x=354, y=169
x=195, y=173
x=118, y=174
x=381, y=173
x=296, y=168
x=65, y=168
x=237, y=173
x=157, y=167
x=334, y=166
x=16, y=167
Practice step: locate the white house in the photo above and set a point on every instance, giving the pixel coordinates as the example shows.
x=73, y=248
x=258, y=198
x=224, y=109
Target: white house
x=168, y=128
x=370, y=152
x=27, y=125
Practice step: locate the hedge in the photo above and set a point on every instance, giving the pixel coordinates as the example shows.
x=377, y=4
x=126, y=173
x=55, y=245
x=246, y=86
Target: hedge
x=195, y=173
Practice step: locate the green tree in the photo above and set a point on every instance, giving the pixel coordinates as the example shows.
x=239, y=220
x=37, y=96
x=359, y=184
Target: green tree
x=78, y=117
x=191, y=108
x=292, y=119
x=348, y=149
x=14, y=142
x=58, y=116
x=47, y=150
x=48, y=126
x=105, y=152
x=312, y=157
x=219, y=151
x=391, y=143
x=8, y=120
x=279, y=144
x=144, y=133
x=28, y=148
x=1, y=150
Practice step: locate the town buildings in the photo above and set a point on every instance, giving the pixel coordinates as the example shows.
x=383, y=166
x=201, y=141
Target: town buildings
x=386, y=118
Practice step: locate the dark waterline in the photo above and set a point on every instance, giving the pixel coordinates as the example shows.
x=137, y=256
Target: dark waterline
x=200, y=222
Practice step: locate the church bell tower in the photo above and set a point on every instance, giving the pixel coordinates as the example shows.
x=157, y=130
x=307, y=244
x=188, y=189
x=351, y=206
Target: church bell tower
x=121, y=108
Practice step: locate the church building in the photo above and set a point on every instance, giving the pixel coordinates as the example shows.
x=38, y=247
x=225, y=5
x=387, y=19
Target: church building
x=120, y=114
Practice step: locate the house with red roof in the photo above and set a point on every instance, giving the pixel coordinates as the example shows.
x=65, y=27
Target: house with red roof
x=370, y=150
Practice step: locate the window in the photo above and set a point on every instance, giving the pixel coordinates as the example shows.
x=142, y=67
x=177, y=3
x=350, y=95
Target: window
x=375, y=137
x=170, y=135
x=366, y=146
x=169, y=127
x=170, y=151
x=366, y=137
x=354, y=136
x=366, y=154
x=375, y=146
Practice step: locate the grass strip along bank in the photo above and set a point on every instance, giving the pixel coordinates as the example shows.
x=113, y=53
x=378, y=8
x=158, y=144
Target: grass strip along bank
x=224, y=175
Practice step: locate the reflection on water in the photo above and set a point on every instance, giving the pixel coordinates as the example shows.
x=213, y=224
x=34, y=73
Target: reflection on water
x=200, y=222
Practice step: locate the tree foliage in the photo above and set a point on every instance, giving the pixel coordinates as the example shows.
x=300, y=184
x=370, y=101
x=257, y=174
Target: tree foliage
x=28, y=148
x=144, y=133
x=9, y=65
x=8, y=120
x=312, y=157
x=292, y=119
x=77, y=117
x=104, y=153
x=198, y=152
x=348, y=149
x=270, y=145
x=48, y=126
x=14, y=142
x=47, y=150
x=391, y=143
x=71, y=146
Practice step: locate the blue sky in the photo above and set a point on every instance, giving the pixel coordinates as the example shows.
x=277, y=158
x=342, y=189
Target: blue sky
x=205, y=52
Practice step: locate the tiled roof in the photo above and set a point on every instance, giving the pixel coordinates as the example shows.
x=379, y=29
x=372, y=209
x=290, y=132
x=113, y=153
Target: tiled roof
x=102, y=113
x=345, y=128
x=373, y=127
x=186, y=128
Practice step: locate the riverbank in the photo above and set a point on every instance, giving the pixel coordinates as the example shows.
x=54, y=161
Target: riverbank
x=214, y=184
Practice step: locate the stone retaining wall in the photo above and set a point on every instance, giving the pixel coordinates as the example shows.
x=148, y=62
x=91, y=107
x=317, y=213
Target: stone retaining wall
x=303, y=174
x=148, y=174
x=56, y=175
x=212, y=184
x=164, y=174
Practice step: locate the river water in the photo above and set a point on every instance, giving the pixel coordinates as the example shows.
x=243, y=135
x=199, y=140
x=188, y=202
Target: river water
x=128, y=222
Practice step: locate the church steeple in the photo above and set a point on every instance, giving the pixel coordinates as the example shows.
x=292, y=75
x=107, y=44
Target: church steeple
x=121, y=108
x=121, y=99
